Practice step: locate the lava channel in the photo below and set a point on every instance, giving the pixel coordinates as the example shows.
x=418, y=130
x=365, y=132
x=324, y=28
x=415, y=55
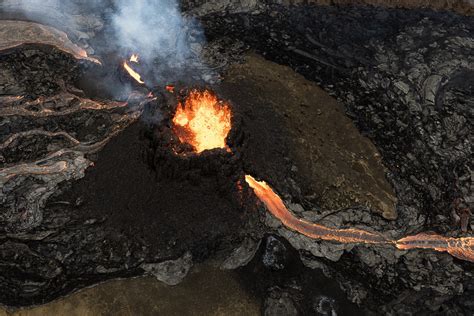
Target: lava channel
x=276, y=206
x=461, y=248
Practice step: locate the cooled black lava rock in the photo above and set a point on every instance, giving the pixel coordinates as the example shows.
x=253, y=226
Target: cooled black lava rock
x=280, y=304
x=275, y=255
x=125, y=216
x=324, y=305
x=405, y=77
x=294, y=287
x=411, y=95
x=36, y=71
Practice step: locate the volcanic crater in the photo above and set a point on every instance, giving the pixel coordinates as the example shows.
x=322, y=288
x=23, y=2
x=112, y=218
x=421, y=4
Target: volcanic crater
x=116, y=165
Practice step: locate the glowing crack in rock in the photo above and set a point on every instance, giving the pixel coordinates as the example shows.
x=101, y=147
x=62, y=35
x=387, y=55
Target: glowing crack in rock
x=461, y=248
x=134, y=58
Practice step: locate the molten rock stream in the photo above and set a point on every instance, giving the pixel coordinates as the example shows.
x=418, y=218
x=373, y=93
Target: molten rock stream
x=462, y=248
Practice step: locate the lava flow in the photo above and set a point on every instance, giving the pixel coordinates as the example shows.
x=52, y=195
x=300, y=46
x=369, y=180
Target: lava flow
x=462, y=248
x=135, y=75
x=276, y=206
x=202, y=121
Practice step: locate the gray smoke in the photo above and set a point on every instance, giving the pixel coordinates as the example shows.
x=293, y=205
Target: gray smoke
x=156, y=29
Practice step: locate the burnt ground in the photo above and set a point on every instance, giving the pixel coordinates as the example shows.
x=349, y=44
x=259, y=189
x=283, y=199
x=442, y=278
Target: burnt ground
x=423, y=140
x=397, y=72
x=294, y=132
x=285, y=284
x=136, y=206
x=171, y=215
x=120, y=215
x=171, y=205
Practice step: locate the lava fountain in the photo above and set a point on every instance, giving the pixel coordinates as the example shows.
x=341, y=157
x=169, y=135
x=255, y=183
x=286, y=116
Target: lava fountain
x=202, y=121
x=461, y=248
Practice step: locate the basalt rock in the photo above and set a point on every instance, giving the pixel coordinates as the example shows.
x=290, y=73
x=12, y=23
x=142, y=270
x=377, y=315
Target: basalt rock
x=382, y=65
x=462, y=6
x=170, y=272
x=143, y=204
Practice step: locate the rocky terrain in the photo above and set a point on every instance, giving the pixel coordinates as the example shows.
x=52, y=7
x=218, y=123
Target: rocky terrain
x=397, y=75
x=398, y=163
x=462, y=7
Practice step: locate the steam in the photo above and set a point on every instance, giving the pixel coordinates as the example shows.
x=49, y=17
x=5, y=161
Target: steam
x=165, y=39
x=169, y=43
x=155, y=29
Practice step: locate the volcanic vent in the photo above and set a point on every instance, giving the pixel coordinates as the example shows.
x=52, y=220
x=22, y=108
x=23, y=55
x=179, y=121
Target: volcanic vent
x=202, y=121
x=122, y=156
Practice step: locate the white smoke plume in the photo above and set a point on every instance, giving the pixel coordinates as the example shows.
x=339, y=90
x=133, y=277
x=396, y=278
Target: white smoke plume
x=156, y=29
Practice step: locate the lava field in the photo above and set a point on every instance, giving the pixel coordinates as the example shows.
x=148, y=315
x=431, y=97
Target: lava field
x=319, y=156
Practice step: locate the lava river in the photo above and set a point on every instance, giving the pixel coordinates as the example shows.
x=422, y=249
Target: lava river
x=204, y=122
x=461, y=248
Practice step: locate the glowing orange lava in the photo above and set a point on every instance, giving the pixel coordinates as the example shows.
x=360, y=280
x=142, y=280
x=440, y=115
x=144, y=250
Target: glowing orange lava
x=462, y=248
x=276, y=206
x=170, y=88
x=203, y=121
x=135, y=75
x=134, y=58
x=82, y=53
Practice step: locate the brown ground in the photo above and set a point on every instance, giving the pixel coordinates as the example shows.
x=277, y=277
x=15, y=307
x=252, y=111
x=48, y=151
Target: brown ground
x=206, y=291
x=171, y=215
x=296, y=128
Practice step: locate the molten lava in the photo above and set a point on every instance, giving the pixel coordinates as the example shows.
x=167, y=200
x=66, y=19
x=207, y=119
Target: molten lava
x=276, y=206
x=202, y=121
x=135, y=75
x=134, y=58
x=170, y=88
x=462, y=248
